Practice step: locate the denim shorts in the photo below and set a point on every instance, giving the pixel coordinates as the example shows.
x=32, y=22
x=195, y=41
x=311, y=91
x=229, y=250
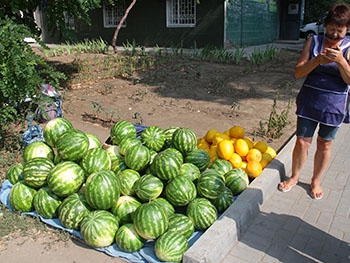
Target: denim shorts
x=306, y=129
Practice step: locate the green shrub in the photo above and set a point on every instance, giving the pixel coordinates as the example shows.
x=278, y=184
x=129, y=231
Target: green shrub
x=22, y=72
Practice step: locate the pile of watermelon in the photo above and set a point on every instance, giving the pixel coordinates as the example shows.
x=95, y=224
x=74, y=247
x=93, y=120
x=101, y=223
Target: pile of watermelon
x=154, y=185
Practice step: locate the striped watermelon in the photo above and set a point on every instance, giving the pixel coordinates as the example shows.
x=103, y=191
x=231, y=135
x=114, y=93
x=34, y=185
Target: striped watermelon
x=182, y=224
x=171, y=246
x=21, y=197
x=65, y=178
x=168, y=133
x=148, y=187
x=121, y=130
x=202, y=213
x=36, y=170
x=127, y=179
x=46, y=203
x=185, y=140
x=124, y=208
x=127, y=143
x=210, y=184
x=94, y=141
x=37, y=149
x=153, y=137
x=72, y=211
x=138, y=157
x=166, y=164
x=221, y=166
x=98, y=228
x=190, y=171
x=55, y=128
x=117, y=160
x=72, y=145
x=96, y=159
x=127, y=238
x=237, y=180
x=165, y=204
x=224, y=200
x=180, y=191
x=199, y=158
x=102, y=189
x=150, y=220
x=14, y=173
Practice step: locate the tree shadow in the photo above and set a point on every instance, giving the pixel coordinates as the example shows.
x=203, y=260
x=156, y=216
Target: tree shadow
x=291, y=239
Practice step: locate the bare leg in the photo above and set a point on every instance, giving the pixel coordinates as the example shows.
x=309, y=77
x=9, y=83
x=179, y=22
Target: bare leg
x=321, y=160
x=300, y=155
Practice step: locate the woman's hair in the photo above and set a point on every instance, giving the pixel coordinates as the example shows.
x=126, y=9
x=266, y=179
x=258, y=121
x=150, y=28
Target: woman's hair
x=339, y=14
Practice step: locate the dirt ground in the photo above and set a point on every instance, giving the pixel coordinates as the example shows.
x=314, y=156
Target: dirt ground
x=181, y=92
x=189, y=93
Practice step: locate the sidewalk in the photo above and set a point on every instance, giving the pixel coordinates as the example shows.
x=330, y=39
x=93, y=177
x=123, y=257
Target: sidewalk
x=292, y=227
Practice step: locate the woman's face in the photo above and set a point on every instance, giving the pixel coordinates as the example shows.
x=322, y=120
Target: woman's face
x=335, y=32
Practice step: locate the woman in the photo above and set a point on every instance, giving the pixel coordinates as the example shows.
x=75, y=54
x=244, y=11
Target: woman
x=321, y=101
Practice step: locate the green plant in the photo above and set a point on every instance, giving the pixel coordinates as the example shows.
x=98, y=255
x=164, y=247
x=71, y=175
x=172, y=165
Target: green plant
x=277, y=121
x=21, y=73
x=259, y=56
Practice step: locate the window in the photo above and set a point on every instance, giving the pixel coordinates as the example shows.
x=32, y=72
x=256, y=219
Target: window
x=113, y=14
x=181, y=13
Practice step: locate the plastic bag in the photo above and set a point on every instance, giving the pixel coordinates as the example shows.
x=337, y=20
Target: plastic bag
x=33, y=132
x=51, y=106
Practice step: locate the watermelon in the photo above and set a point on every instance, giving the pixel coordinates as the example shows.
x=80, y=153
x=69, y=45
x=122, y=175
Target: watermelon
x=168, y=133
x=36, y=170
x=94, y=160
x=171, y=246
x=237, y=180
x=182, y=224
x=72, y=145
x=148, y=187
x=98, y=228
x=72, y=211
x=199, y=158
x=102, y=189
x=210, y=184
x=127, y=179
x=202, y=213
x=54, y=129
x=166, y=165
x=94, y=141
x=21, y=197
x=121, y=130
x=153, y=137
x=180, y=191
x=124, y=207
x=165, y=204
x=150, y=220
x=127, y=143
x=46, y=203
x=138, y=157
x=221, y=166
x=185, y=140
x=117, y=160
x=37, y=149
x=14, y=173
x=127, y=238
x=65, y=178
x=224, y=200
x=190, y=171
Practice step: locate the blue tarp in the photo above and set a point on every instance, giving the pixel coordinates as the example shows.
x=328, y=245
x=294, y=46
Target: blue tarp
x=146, y=254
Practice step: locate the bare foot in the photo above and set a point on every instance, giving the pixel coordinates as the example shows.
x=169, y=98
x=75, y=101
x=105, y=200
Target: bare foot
x=316, y=191
x=287, y=185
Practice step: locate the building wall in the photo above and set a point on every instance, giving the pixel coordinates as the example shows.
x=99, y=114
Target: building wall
x=146, y=25
x=251, y=22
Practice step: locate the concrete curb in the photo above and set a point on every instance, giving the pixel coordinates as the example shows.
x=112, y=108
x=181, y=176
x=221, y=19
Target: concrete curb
x=217, y=241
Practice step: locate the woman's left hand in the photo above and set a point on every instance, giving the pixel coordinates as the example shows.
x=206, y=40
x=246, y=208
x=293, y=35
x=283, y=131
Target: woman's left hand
x=334, y=54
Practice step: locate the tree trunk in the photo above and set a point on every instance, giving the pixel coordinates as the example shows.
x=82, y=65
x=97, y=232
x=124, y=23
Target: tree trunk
x=114, y=39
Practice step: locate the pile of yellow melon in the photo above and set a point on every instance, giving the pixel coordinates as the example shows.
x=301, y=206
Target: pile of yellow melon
x=232, y=145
